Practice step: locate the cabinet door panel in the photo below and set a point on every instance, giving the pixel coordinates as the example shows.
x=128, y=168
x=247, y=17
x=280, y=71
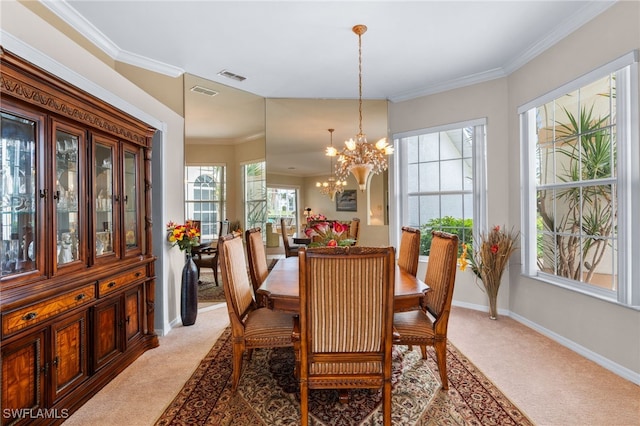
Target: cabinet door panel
x=131, y=201
x=106, y=199
x=68, y=196
x=133, y=312
x=23, y=371
x=107, y=335
x=19, y=247
x=69, y=354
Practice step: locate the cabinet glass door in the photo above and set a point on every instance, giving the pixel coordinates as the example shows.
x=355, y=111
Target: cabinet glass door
x=18, y=192
x=66, y=197
x=103, y=178
x=130, y=199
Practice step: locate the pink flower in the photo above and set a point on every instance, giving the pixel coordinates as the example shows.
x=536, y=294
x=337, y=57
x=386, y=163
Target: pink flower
x=496, y=228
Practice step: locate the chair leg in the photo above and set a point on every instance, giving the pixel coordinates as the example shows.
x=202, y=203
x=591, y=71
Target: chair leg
x=423, y=349
x=304, y=403
x=441, y=357
x=386, y=403
x=237, y=366
x=215, y=268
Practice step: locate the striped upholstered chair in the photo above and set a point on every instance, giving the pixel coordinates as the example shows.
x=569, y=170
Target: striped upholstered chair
x=345, y=324
x=418, y=327
x=409, y=250
x=251, y=327
x=258, y=267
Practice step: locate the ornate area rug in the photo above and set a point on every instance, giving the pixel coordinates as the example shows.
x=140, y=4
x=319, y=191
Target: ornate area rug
x=207, y=289
x=268, y=394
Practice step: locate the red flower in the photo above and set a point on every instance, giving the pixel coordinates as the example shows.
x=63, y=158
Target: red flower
x=494, y=248
x=332, y=243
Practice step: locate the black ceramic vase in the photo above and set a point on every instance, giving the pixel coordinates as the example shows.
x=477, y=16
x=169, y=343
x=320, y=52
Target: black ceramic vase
x=189, y=292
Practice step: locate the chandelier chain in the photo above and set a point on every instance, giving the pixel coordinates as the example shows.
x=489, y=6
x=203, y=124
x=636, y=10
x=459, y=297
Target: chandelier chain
x=360, y=81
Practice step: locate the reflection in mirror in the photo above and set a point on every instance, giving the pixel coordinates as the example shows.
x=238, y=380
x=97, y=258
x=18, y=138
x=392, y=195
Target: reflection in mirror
x=224, y=127
x=297, y=135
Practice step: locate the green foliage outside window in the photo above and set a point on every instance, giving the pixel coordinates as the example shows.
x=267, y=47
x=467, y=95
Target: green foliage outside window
x=458, y=226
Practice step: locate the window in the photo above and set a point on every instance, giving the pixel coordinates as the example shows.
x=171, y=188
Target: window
x=205, y=198
x=282, y=203
x=578, y=149
x=255, y=194
x=440, y=176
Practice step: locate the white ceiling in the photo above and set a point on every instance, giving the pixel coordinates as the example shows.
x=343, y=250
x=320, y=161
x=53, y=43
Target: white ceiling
x=306, y=49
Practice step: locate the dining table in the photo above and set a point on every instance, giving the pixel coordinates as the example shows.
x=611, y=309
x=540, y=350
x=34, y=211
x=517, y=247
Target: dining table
x=280, y=290
x=301, y=238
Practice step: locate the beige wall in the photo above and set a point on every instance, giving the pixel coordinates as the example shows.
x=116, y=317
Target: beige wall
x=603, y=331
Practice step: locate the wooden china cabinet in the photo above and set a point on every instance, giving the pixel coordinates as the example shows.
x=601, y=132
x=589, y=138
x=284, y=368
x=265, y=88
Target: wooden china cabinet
x=76, y=268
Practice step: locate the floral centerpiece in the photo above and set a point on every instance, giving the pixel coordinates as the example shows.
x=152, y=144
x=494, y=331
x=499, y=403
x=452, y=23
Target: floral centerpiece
x=488, y=261
x=330, y=234
x=184, y=236
x=316, y=217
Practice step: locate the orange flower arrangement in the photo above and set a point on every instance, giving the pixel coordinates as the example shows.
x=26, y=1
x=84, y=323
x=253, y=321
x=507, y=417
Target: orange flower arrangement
x=183, y=236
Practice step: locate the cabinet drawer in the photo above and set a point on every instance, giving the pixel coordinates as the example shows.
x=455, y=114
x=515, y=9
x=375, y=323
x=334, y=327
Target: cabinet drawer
x=38, y=312
x=113, y=283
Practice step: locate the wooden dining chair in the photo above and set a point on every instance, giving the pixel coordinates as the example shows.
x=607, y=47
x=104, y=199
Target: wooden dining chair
x=429, y=326
x=409, y=252
x=256, y=255
x=251, y=327
x=207, y=256
x=289, y=249
x=354, y=230
x=344, y=335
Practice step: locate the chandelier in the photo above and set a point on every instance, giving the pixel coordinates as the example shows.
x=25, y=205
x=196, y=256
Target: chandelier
x=359, y=157
x=331, y=186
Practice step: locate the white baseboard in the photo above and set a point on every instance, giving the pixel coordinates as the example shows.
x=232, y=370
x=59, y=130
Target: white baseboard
x=618, y=369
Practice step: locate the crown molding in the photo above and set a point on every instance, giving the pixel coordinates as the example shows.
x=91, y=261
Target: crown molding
x=569, y=25
x=69, y=15
x=451, y=84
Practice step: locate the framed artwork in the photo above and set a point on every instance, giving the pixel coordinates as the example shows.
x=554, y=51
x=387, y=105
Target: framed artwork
x=347, y=201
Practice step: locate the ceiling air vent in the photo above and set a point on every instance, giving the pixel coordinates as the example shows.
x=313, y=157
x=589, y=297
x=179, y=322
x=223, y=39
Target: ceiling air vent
x=231, y=75
x=204, y=90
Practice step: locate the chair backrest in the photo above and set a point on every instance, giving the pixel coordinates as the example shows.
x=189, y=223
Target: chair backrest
x=354, y=229
x=285, y=235
x=224, y=228
x=237, y=287
x=441, y=277
x=346, y=307
x=258, y=267
x=409, y=252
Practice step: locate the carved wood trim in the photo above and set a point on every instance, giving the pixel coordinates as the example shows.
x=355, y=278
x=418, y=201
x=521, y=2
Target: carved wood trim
x=24, y=81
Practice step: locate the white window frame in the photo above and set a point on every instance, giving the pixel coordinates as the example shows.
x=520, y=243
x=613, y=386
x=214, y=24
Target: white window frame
x=628, y=183
x=245, y=192
x=222, y=202
x=398, y=214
